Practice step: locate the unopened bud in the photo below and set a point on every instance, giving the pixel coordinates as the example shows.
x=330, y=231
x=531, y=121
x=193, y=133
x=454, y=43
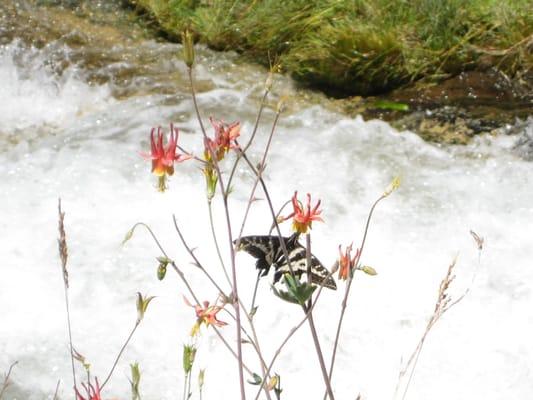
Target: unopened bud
x=188, y=48
x=211, y=179
x=162, y=267
x=201, y=378
x=161, y=271
x=135, y=381
x=268, y=82
x=395, y=184
x=368, y=270
x=189, y=353
x=281, y=105
x=129, y=235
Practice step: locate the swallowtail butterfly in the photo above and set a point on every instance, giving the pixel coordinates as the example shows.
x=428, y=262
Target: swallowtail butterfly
x=269, y=253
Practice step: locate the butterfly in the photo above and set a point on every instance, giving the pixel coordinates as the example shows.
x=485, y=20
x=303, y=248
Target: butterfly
x=269, y=253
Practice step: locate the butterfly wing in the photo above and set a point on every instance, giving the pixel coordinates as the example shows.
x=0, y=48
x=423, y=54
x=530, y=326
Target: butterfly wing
x=268, y=252
x=298, y=261
x=264, y=248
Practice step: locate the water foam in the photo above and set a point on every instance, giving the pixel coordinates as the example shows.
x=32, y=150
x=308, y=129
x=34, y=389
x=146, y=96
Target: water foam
x=480, y=350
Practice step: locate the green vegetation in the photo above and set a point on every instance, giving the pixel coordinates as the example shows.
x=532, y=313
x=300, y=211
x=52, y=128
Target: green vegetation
x=361, y=46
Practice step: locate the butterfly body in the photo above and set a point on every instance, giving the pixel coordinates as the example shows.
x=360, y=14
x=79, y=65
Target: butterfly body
x=269, y=254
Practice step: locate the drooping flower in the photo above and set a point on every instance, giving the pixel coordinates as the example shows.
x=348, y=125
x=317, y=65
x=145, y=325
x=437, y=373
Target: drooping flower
x=303, y=217
x=346, y=263
x=163, y=158
x=93, y=391
x=225, y=135
x=206, y=315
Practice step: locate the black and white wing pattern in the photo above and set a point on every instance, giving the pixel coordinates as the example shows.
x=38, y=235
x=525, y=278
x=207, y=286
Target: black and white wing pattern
x=269, y=253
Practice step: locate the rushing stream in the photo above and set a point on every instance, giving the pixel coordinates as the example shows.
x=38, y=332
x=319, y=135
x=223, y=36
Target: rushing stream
x=73, y=120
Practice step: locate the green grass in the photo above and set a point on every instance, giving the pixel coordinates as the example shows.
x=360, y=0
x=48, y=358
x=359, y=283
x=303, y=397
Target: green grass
x=361, y=46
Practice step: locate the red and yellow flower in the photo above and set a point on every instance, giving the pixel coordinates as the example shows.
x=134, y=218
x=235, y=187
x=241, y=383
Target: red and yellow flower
x=93, y=392
x=225, y=136
x=206, y=315
x=163, y=157
x=347, y=263
x=303, y=217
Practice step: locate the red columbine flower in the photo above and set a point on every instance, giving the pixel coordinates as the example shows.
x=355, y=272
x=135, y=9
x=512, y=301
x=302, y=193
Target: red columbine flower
x=225, y=135
x=302, y=218
x=162, y=157
x=347, y=264
x=94, y=392
x=205, y=315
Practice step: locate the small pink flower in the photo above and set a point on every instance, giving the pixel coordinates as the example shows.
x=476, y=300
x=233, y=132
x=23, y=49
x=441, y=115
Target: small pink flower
x=302, y=218
x=162, y=157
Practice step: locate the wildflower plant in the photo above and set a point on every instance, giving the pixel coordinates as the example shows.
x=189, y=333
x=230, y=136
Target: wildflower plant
x=291, y=260
x=303, y=277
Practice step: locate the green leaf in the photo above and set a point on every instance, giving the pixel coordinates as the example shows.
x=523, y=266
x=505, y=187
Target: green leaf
x=285, y=295
x=390, y=105
x=299, y=291
x=305, y=292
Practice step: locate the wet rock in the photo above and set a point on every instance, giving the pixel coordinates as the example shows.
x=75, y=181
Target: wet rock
x=454, y=110
x=523, y=146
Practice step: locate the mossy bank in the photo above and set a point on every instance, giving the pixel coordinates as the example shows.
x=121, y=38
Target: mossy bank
x=377, y=48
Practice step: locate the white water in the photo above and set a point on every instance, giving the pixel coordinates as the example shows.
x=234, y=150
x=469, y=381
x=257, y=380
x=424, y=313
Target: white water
x=60, y=137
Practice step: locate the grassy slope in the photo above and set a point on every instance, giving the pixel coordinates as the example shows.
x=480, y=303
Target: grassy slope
x=361, y=46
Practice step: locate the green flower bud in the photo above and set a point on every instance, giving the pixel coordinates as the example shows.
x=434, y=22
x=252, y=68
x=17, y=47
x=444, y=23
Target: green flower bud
x=188, y=48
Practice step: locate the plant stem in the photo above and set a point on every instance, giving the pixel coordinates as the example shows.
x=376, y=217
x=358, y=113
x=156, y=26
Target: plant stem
x=55, y=392
x=232, y=250
x=347, y=292
x=193, y=256
x=189, y=288
x=137, y=323
x=63, y=254
x=259, y=113
x=307, y=309
x=290, y=334
x=6, y=379
x=185, y=387
x=70, y=338
x=217, y=247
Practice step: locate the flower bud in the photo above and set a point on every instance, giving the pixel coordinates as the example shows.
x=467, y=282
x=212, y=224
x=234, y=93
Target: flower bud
x=211, y=179
x=162, y=267
x=189, y=353
x=128, y=236
x=395, y=184
x=161, y=271
x=188, y=48
x=368, y=270
x=201, y=378
x=268, y=82
x=135, y=381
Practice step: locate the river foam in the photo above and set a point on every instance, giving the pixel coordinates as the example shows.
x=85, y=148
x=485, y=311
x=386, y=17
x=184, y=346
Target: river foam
x=86, y=152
